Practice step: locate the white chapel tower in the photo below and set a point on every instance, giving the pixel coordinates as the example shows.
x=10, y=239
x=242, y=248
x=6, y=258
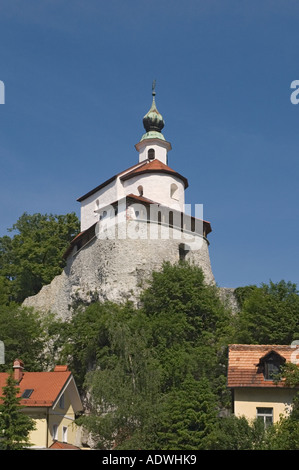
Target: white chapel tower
x=151, y=178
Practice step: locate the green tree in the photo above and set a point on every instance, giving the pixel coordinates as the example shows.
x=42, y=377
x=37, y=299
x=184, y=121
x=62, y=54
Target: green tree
x=236, y=433
x=4, y=291
x=139, y=360
x=15, y=425
x=32, y=257
x=187, y=416
x=269, y=315
x=190, y=325
x=284, y=435
x=179, y=293
x=87, y=338
x=24, y=335
x=124, y=382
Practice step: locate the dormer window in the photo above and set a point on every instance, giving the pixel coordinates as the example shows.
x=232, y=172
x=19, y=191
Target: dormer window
x=151, y=154
x=271, y=364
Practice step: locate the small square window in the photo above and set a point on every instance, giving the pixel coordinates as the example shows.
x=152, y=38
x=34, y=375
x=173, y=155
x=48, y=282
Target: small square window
x=265, y=414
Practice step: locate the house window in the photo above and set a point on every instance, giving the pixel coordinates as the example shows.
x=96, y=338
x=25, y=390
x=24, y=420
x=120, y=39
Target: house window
x=55, y=432
x=61, y=401
x=140, y=190
x=151, y=154
x=64, y=434
x=271, y=369
x=271, y=365
x=265, y=415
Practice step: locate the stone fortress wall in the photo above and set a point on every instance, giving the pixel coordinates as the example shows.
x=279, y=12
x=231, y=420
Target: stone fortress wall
x=115, y=270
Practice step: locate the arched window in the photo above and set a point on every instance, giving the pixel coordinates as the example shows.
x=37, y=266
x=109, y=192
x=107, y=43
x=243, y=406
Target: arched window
x=103, y=215
x=140, y=190
x=151, y=154
x=174, y=191
x=97, y=206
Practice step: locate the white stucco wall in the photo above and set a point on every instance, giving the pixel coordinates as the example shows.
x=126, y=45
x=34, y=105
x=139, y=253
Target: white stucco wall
x=160, y=147
x=156, y=186
x=106, y=195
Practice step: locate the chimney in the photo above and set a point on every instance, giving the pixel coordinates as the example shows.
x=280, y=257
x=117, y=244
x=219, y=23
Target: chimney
x=18, y=367
x=61, y=369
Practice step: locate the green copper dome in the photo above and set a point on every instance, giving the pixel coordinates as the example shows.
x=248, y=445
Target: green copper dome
x=153, y=121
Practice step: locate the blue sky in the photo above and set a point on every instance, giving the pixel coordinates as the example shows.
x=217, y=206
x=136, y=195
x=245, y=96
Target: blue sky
x=78, y=78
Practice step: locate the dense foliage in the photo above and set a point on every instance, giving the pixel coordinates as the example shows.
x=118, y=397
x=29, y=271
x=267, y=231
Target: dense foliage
x=23, y=335
x=153, y=376
x=32, y=256
x=15, y=426
x=157, y=373
x=274, y=308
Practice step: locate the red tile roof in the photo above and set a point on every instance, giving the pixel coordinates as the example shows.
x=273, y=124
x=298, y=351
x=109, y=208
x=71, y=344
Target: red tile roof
x=154, y=166
x=57, y=445
x=243, y=360
x=46, y=386
x=105, y=183
x=141, y=167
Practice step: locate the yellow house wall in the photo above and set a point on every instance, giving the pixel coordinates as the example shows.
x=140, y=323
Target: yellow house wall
x=38, y=437
x=63, y=417
x=45, y=419
x=247, y=400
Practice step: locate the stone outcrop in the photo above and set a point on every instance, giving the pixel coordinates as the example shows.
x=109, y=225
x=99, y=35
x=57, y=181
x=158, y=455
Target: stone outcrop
x=112, y=269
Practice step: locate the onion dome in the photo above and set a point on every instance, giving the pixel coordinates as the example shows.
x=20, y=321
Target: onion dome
x=153, y=121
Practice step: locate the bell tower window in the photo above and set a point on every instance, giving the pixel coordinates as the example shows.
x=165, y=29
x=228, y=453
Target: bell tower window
x=151, y=154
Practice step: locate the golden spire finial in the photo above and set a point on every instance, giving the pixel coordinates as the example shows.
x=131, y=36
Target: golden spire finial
x=153, y=87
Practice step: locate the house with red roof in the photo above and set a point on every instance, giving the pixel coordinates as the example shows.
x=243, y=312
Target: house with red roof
x=252, y=377
x=53, y=401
